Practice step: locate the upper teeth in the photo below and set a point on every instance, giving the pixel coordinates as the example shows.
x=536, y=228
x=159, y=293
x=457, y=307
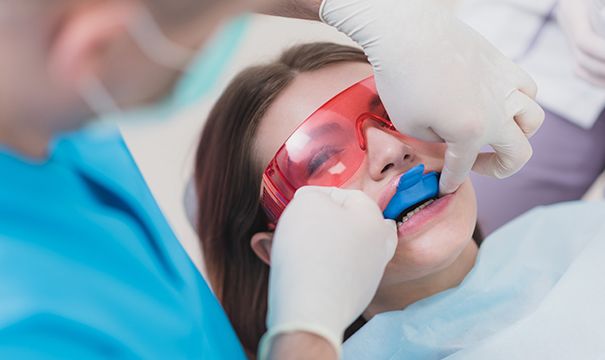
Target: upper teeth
x=414, y=212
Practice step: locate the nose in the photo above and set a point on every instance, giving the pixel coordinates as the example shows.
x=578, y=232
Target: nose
x=388, y=153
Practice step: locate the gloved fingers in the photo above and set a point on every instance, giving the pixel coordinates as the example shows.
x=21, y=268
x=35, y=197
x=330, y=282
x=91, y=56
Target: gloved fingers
x=320, y=195
x=528, y=115
x=318, y=191
x=524, y=82
x=574, y=18
x=587, y=41
x=391, y=240
x=459, y=160
x=590, y=65
x=359, y=203
x=356, y=200
x=423, y=132
x=587, y=45
x=511, y=152
x=333, y=194
x=593, y=53
x=345, y=198
x=594, y=48
x=592, y=78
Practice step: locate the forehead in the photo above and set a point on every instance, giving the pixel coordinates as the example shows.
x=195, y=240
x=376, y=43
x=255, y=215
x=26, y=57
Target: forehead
x=301, y=98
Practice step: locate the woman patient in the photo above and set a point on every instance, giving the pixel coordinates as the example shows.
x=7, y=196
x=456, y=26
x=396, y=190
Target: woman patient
x=244, y=177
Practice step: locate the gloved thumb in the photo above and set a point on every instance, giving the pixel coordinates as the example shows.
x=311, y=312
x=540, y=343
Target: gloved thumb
x=459, y=160
x=345, y=198
x=391, y=239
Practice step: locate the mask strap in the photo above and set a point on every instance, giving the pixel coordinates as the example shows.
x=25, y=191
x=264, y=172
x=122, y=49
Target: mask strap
x=97, y=97
x=156, y=45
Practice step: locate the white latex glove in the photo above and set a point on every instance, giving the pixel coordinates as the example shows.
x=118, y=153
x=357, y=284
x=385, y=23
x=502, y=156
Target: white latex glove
x=442, y=81
x=329, y=253
x=579, y=19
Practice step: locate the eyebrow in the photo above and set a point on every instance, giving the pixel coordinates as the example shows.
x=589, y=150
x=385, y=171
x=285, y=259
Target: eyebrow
x=325, y=128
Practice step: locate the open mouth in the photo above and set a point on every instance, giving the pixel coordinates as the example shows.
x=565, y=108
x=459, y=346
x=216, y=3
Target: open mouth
x=415, y=191
x=413, y=210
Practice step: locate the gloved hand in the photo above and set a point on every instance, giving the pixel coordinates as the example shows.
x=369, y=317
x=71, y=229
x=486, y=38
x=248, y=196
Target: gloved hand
x=586, y=35
x=442, y=81
x=329, y=253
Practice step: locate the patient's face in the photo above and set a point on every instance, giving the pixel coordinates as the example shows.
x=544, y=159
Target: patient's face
x=431, y=239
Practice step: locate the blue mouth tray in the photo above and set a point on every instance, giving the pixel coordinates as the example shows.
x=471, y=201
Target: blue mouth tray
x=414, y=187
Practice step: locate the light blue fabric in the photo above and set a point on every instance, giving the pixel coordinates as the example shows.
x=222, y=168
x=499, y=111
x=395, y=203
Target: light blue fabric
x=89, y=266
x=532, y=266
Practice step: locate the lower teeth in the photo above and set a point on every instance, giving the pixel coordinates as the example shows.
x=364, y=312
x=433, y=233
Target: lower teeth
x=414, y=212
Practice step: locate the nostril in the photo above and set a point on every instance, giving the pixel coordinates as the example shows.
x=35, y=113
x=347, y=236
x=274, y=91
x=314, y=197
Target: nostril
x=386, y=168
x=407, y=157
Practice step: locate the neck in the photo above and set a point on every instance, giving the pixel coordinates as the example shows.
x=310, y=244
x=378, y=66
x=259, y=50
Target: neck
x=401, y=295
x=27, y=141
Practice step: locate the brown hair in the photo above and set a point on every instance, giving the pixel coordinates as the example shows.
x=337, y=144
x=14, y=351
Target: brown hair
x=228, y=180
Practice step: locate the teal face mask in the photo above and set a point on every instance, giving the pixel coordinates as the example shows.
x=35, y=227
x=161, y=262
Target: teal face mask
x=209, y=65
x=199, y=77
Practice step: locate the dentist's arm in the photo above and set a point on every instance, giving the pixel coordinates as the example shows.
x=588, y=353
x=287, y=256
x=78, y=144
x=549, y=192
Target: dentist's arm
x=440, y=80
x=329, y=253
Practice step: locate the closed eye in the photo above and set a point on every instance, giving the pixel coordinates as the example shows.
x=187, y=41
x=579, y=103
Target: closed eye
x=321, y=157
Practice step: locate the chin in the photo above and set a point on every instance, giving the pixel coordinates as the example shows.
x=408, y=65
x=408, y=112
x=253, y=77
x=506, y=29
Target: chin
x=434, y=244
x=415, y=261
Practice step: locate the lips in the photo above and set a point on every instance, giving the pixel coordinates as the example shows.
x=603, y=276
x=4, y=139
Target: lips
x=408, y=213
x=419, y=222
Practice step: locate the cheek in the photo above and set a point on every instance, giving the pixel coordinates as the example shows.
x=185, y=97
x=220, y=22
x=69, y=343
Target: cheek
x=361, y=181
x=431, y=154
x=374, y=190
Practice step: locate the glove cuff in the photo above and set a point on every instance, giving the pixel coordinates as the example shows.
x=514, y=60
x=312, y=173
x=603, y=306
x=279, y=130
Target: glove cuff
x=267, y=339
x=321, y=11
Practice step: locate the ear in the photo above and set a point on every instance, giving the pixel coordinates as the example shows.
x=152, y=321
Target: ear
x=83, y=36
x=261, y=245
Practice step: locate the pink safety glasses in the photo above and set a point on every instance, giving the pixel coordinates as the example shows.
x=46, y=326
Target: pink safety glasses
x=327, y=149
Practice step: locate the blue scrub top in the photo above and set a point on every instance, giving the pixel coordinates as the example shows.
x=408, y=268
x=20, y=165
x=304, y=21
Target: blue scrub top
x=91, y=269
